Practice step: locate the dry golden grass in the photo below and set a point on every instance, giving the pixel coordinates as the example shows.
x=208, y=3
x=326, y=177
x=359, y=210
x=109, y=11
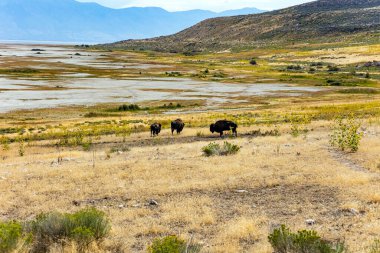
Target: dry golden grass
x=228, y=204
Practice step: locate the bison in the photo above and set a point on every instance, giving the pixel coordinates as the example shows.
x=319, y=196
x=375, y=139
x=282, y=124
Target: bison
x=177, y=125
x=155, y=129
x=223, y=125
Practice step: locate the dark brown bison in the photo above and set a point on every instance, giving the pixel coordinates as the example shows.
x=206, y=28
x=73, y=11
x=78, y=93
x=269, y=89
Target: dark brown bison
x=155, y=129
x=223, y=125
x=177, y=125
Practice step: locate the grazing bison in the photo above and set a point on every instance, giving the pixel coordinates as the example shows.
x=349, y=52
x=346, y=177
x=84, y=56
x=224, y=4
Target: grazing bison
x=223, y=125
x=177, y=125
x=155, y=129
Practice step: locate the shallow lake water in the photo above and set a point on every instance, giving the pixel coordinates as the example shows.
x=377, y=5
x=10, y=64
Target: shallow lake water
x=81, y=89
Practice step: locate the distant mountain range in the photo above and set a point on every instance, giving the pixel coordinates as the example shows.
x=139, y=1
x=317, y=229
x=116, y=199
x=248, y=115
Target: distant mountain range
x=68, y=20
x=343, y=21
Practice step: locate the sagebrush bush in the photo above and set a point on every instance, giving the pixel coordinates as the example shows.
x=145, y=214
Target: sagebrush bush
x=215, y=149
x=4, y=141
x=173, y=244
x=11, y=236
x=298, y=124
x=305, y=241
x=346, y=134
x=83, y=228
x=375, y=247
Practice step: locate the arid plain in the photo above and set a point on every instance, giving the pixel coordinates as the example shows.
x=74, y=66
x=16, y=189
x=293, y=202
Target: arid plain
x=67, y=144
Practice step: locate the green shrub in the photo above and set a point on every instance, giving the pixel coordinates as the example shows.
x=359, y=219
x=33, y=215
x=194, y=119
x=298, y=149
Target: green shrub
x=253, y=62
x=200, y=134
x=83, y=227
x=375, y=247
x=298, y=125
x=332, y=68
x=346, y=134
x=173, y=244
x=168, y=244
x=304, y=241
x=294, y=67
x=5, y=143
x=215, y=149
x=10, y=236
x=93, y=220
x=21, y=147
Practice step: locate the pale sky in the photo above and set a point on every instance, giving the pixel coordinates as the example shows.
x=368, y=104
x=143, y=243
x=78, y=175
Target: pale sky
x=214, y=5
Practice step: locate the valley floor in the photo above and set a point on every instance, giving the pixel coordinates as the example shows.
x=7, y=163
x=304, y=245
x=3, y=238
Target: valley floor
x=228, y=204
x=101, y=155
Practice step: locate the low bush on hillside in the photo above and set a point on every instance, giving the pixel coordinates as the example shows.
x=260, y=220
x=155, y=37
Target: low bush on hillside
x=253, y=62
x=213, y=149
x=333, y=68
x=346, y=134
x=173, y=244
x=11, y=236
x=83, y=227
x=375, y=247
x=294, y=67
x=298, y=124
x=305, y=241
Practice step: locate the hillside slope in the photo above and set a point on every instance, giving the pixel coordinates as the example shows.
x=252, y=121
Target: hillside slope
x=68, y=20
x=323, y=20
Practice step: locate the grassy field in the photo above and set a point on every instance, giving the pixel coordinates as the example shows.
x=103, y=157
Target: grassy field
x=286, y=171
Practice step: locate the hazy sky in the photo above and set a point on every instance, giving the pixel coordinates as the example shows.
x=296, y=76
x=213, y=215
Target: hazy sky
x=215, y=5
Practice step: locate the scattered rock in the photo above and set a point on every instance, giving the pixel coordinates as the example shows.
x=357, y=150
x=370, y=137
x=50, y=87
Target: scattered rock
x=241, y=191
x=121, y=206
x=152, y=202
x=310, y=222
x=353, y=211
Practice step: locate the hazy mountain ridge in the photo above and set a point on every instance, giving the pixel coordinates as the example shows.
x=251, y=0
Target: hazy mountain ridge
x=68, y=20
x=323, y=20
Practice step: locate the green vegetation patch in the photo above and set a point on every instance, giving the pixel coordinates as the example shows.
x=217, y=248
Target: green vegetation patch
x=304, y=241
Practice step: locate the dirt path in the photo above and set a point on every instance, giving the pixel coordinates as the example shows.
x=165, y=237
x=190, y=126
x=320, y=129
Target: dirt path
x=344, y=159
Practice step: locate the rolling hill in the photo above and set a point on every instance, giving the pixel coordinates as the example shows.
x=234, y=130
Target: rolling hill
x=318, y=21
x=69, y=20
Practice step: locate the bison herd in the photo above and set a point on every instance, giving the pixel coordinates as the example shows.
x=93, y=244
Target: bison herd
x=178, y=125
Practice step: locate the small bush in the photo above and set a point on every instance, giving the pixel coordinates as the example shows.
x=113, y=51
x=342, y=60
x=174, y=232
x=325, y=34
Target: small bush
x=332, y=68
x=21, y=147
x=215, y=149
x=10, y=236
x=298, y=125
x=200, y=134
x=304, y=241
x=294, y=67
x=253, y=62
x=168, y=244
x=331, y=82
x=375, y=247
x=171, y=106
x=83, y=227
x=5, y=143
x=346, y=134
x=173, y=244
